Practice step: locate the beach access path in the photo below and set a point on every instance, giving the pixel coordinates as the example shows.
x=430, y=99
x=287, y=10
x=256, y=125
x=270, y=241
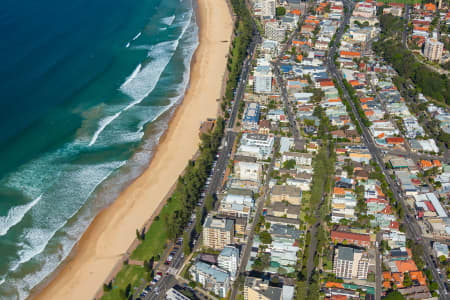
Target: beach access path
x=113, y=230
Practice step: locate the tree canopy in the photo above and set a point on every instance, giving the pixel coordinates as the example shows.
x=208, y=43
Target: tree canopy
x=280, y=11
x=265, y=237
x=428, y=82
x=393, y=295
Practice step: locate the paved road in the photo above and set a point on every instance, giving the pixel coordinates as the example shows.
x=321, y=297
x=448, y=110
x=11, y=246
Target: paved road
x=296, y=133
x=284, y=97
x=413, y=229
x=248, y=246
x=310, y=267
x=240, y=89
x=159, y=289
x=378, y=273
x=405, y=31
x=282, y=85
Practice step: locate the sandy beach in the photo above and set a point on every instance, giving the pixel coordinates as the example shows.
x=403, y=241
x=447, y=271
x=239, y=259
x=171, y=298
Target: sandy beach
x=113, y=230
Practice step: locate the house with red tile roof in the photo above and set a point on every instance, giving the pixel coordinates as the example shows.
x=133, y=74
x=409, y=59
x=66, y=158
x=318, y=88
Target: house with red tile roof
x=357, y=239
x=395, y=140
x=350, y=54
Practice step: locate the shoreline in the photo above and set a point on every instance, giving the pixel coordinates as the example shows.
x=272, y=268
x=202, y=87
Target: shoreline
x=110, y=236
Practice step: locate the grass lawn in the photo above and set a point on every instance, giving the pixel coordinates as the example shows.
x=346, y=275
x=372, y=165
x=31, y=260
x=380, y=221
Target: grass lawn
x=128, y=274
x=302, y=215
x=156, y=237
x=305, y=197
x=184, y=272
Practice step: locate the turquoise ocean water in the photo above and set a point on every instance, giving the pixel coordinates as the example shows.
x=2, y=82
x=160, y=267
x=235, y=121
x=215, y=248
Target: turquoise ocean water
x=87, y=88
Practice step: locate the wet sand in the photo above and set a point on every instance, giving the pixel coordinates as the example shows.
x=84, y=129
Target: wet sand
x=113, y=230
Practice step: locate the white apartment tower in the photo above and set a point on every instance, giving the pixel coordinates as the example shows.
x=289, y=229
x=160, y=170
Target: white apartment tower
x=217, y=233
x=275, y=31
x=228, y=260
x=433, y=49
x=263, y=79
x=268, y=8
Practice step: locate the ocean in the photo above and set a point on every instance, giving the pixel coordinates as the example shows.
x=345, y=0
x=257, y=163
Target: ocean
x=87, y=89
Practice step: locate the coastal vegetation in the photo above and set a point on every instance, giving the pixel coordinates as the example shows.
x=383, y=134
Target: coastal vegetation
x=428, y=82
x=126, y=280
x=243, y=29
x=172, y=219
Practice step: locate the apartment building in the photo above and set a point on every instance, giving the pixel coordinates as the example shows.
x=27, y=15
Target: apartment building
x=258, y=289
x=303, y=159
x=248, y=170
x=275, y=31
x=256, y=145
x=251, y=117
x=350, y=263
x=290, y=194
x=173, y=294
x=211, y=278
x=228, y=260
x=217, y=233
x=268, y=8
x=237, y=203
x=263, y=79
x=433, y=49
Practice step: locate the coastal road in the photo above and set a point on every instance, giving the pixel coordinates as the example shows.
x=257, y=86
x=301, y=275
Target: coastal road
x=412, y=228
x=159, y=289
x=240, y=89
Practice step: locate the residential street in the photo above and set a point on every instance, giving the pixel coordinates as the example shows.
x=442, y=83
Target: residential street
x=413, y=228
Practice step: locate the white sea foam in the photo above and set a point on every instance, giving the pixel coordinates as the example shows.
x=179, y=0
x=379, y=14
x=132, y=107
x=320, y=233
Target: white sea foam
x=83, y=182
x=137, y=36
x=15, y=215
x=143, y=80
x=132, y=76
x=128, y=45
x=36, y=240
x=106, y=121
x=102, y=125
x=168, y=20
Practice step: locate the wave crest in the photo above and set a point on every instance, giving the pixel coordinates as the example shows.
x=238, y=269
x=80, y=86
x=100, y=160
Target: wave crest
x=168, y=20
x=15, y=215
